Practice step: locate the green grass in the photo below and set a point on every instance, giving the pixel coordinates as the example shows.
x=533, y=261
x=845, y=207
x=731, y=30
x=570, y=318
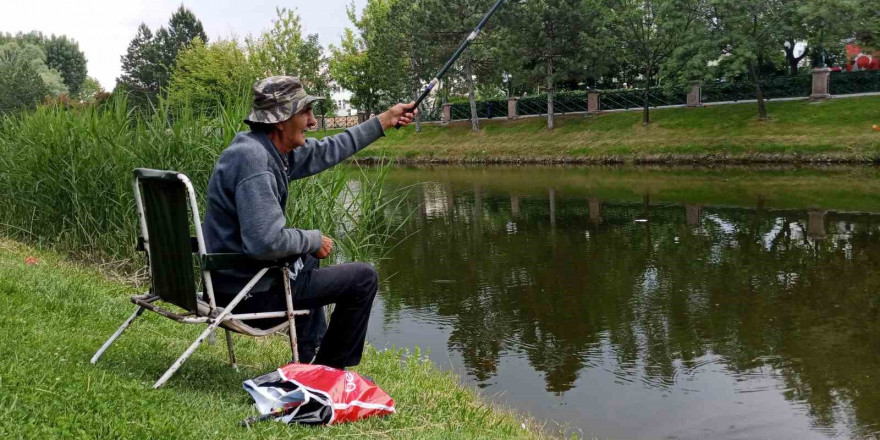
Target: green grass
x=839, y=130
x=65, y=178
x=54, y=315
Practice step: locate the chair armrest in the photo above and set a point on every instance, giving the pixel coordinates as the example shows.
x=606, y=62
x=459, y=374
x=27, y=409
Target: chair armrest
x=240, y=261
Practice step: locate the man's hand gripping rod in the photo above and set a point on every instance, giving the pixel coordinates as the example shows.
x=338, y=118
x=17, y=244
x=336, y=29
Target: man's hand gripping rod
x=464, y=45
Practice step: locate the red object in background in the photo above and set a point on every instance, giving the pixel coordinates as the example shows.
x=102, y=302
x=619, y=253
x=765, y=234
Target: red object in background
x=875, y=64
x=30, y=261
x=863, y=62
x=318, y=395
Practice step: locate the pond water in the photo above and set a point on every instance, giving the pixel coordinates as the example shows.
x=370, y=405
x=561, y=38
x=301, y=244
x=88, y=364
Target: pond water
x=648, y=302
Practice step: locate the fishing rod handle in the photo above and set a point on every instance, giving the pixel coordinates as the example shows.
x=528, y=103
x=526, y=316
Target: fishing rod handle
x=421, y=98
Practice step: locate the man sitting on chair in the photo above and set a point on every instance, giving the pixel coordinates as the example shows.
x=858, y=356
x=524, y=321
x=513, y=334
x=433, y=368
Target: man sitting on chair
x=247, y=199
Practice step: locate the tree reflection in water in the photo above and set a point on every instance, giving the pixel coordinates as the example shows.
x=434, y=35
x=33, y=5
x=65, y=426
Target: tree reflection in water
x=567, y=281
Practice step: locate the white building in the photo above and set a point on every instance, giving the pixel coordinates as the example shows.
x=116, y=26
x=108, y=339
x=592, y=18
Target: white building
x=342, y=99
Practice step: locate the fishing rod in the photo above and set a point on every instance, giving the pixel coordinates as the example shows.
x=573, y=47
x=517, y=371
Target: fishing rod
x=467, y=42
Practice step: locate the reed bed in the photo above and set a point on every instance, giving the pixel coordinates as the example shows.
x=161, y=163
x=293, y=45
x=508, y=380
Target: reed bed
x=65, y=179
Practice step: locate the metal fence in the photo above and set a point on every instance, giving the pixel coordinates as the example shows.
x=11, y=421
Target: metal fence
x=577, y=101
x=635, y=98
x=337, y=122
x=773, y=88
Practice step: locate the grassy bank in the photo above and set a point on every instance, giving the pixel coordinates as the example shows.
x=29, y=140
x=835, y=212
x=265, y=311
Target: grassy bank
x=798, y=131
x=54, y=315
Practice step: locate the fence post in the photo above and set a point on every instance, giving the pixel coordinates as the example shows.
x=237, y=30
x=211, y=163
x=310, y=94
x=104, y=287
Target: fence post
x=512, y=111
x=447, y=114
x=695, y=95
x=821, y=77
x=592, y=103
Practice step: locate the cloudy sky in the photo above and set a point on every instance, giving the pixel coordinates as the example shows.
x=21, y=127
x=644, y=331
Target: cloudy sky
x=104, y=28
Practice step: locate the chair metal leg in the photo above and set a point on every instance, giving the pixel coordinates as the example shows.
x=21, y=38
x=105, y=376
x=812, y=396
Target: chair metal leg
x=118, y=333
x=211, y=327
x=186, y=354
x=231, y=350
x=290, y=317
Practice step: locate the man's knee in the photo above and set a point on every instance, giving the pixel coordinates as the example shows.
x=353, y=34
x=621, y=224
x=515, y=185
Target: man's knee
x=368, y=278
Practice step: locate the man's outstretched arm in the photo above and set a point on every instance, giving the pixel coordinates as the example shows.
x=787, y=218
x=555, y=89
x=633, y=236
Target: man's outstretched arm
x=318, y=155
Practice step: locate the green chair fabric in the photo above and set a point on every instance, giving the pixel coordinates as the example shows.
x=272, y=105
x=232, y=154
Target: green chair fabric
x=171, y=254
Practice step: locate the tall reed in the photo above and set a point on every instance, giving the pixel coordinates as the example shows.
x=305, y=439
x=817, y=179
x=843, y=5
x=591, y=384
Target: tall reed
x=65, y=178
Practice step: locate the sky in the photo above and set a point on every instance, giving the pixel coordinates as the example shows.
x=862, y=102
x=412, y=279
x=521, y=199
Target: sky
x=103, y=28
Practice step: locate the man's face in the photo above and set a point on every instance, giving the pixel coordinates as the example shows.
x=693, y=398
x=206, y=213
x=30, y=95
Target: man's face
x=293, y=133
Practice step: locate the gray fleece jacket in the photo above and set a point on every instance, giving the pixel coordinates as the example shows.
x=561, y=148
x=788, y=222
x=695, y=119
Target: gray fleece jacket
x=247, y=198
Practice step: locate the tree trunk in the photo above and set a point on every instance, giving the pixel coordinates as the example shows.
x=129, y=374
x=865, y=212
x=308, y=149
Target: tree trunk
x=759, y=94
x=550, y=90
x=475, y=124
x=412, y=66
x=418, y=116
x=646, y=113
x=792, y=60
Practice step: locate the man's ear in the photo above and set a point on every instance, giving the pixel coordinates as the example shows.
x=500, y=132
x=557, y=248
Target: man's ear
x=279, y=126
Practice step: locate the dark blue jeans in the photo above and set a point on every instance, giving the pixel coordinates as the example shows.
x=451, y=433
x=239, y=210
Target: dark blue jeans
x=351, y=287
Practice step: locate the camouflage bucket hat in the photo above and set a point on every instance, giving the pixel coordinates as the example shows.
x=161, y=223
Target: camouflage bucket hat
x=277, y=98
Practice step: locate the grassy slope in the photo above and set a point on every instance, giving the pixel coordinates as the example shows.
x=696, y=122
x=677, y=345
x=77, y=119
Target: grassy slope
x=835, y=129
x=54, y=315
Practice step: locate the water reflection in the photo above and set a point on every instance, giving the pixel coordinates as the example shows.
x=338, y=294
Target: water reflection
x=655, y=299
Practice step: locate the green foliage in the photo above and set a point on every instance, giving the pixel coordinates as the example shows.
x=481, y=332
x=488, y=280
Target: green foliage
x=370, y=62
x=149, y=60
x=67, y=175
x=20, y=83
x=209, y=76
x=866, y=81
x=650, y=31
x=91, y=90
x=284, y=50
x=60, y=53
x=28, y=78
x=63, y=55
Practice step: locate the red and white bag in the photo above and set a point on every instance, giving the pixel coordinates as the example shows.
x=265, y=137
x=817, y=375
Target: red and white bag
x=317, y=395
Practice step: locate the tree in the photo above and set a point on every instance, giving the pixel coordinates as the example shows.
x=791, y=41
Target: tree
x=866, y=23
x=61, y=53
x=23, y=75
x=371, y=63
x=206, y=75
x=282, y=50
x=90, y=91
x=549, y=41
x=462, y=16
x=349, y=67
x=140, y=67
x=149, y=60
x=735, y=38
x=651, y=30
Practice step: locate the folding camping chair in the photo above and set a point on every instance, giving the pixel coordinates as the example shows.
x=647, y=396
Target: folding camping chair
x=161, y=198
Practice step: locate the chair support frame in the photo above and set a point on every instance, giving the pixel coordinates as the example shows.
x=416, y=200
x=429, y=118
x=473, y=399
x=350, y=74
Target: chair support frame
x=214, y=316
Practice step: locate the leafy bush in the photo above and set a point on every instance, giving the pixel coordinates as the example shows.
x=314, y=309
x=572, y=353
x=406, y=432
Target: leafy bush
x=866, y=81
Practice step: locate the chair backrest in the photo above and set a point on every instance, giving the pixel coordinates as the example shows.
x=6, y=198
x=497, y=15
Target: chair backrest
x=170, y=251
